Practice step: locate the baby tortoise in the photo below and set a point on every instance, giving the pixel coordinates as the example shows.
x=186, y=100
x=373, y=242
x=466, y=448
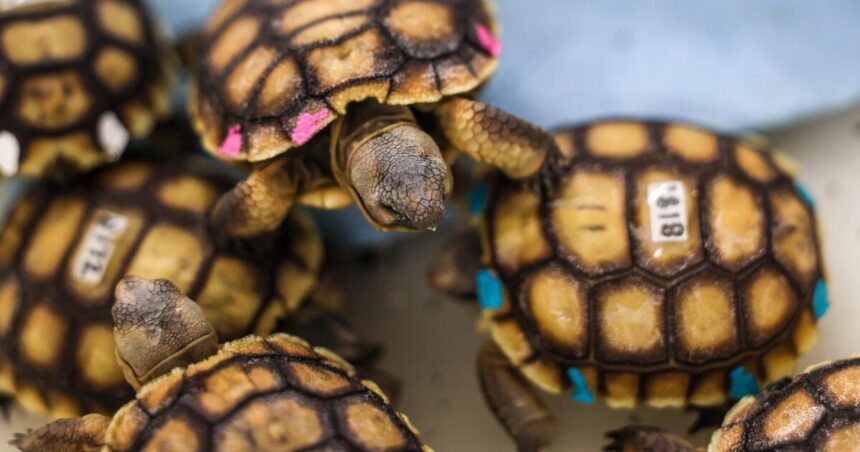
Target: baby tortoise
x=253, y=394
x=64, y=248
x=78, y=79
x=394, y=78
x=816, y=410
x=660, y=263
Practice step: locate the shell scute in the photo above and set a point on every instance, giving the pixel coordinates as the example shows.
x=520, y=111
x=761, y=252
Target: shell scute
x=318, y=380
x=769, y=303
x=57, y=38
x=705, y=319
x=589, y=221
x=666, y=258
x=794, y=236
x=250, y=429
x=631, y=324
x=737, y=220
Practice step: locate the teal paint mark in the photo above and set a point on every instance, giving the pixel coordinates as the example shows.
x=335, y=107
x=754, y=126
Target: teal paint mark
x=490, y=290
x=581, y=393
x=478, y=199
x=743, y=383
x=804, y=194
x=820, y=300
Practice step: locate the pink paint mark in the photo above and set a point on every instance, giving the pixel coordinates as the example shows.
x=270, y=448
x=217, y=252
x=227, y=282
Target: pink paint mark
x=308, y=125
x=491, y=44
x=232, y=145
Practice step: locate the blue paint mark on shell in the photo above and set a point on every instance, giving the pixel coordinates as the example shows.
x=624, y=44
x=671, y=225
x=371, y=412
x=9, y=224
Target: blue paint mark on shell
x=804, y=194
x=820, y=299
x=478, y=199
x=743, y=383
x=490, y=290
x=581, y=393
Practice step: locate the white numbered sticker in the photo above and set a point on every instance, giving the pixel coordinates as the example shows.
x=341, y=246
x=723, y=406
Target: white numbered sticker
x=98, y=247
x=667, y=207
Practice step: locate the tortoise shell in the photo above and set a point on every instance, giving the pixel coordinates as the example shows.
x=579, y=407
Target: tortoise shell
x=816, y=410
x=274, y=394
x=78, y=79
x=660, y=263
x=272, y=74
x=63, y=250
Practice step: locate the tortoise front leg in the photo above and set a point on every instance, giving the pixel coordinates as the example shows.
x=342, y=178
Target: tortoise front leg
x=513, y=401
x=494, y=137
x=80, y=434
x=258, y=204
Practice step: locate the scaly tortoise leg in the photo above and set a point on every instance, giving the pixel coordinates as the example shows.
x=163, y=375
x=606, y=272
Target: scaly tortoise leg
x=646, y=439
x=80, y=434
x=489, y=135
x=453, y=270
x=513, y=401
x=259, y=203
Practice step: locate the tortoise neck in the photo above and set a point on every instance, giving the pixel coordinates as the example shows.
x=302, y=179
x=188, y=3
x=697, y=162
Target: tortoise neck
x=364, y=122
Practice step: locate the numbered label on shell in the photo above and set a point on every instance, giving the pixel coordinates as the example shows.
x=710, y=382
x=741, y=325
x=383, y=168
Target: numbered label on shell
x=99, y=247
x=667, y=208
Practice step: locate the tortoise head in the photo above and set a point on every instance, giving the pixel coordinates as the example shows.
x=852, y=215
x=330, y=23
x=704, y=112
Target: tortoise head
x=401, y=179
x=156, y=329
x=394, y=170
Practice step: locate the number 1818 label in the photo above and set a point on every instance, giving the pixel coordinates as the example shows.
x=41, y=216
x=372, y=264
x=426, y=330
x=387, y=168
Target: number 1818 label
x=667, y=207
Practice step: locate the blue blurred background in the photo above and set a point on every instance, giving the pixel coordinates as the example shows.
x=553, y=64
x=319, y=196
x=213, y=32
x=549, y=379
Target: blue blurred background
x=732, y=64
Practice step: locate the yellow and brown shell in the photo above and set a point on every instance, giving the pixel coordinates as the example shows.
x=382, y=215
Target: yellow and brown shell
x=273, y=394
x=273, y=74
x=660, y=263
x=63, y=250
x=816, y=410
x=78, y=79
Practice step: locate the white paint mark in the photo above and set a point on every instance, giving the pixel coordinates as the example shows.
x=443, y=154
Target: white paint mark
x=112, y=135
x=10, y=152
